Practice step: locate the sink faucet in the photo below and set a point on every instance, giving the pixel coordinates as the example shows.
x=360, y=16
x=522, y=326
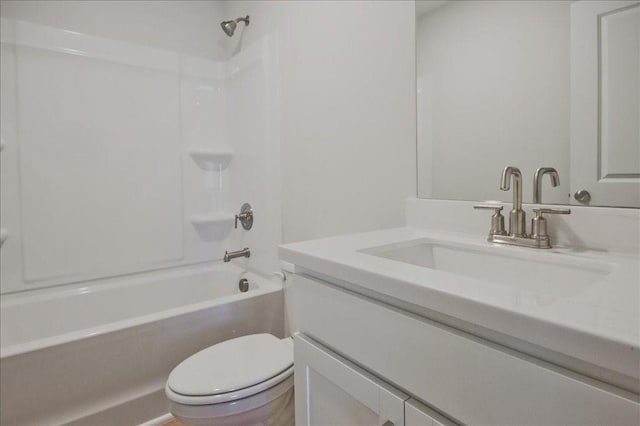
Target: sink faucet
x=517, y=224
x=245, y=252
x=517, y=235
x=537, y=182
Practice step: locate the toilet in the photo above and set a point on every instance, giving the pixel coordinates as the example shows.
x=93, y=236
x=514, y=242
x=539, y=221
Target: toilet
x=243, y=381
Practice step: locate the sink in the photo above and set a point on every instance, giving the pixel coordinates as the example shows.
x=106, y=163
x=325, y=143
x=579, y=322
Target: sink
x=547, y=272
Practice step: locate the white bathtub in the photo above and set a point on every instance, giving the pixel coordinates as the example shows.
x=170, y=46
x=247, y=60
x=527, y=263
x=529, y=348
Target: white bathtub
x=100, y=354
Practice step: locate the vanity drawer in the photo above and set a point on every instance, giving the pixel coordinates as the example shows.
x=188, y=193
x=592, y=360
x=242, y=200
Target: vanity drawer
x=468, y=379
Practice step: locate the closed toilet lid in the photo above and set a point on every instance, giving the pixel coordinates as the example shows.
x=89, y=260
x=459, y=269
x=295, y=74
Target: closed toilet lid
x=232, y=365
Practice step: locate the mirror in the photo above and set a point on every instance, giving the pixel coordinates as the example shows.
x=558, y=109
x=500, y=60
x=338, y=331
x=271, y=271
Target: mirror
x=529, y=84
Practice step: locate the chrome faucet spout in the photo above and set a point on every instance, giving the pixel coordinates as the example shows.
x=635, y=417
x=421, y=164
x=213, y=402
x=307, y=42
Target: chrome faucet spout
x=508, y=173
x=537, y=182
x=517, y=221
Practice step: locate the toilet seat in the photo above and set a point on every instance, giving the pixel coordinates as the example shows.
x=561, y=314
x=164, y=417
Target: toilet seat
x=267, y=388
x=232, y=370
x=205, y=414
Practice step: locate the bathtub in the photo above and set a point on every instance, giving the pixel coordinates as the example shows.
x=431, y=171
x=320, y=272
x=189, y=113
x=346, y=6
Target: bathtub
x=100, y=353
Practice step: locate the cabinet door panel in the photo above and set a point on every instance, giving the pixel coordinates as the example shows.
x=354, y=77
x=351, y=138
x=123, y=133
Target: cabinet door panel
x=332, y=391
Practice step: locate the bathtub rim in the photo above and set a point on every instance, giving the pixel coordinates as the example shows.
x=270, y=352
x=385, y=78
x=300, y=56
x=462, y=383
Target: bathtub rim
x=266, y=285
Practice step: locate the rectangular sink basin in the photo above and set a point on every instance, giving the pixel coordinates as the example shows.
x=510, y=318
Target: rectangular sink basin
x=536, y=271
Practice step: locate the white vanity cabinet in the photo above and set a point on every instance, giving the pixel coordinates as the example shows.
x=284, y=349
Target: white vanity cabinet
x=332, y=391
x=468, y=379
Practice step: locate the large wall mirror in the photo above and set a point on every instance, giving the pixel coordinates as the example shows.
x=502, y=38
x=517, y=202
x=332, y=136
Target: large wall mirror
x=529, y=84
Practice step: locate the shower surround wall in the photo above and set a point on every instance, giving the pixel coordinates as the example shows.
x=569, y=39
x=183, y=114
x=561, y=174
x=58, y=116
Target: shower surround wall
x=124, y=157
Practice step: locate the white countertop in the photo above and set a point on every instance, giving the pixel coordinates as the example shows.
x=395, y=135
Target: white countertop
x=598, y=324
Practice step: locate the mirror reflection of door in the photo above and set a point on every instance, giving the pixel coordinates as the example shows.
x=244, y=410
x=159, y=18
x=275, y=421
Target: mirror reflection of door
x=605, y=103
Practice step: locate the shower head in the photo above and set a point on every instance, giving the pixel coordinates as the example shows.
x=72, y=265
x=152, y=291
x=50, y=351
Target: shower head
x=230, y=26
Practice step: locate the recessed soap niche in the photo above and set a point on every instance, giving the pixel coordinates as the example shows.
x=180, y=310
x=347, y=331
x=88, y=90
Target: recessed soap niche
x=214, y=164
x=211, y=160
x=214, y=211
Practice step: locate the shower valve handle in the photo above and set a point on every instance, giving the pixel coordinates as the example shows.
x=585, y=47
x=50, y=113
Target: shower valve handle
x=245, y=217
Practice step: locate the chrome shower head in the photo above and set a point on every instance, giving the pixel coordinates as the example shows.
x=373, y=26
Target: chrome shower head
x=230, y=26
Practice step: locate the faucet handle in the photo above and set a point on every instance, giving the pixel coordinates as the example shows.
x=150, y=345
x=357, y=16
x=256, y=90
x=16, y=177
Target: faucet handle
x=497, y=220
x=497, y=207
x=539, y=212
x=539, y=225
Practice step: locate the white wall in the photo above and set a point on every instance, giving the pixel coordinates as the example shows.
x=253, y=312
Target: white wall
x=494, y=79
x=347, y=118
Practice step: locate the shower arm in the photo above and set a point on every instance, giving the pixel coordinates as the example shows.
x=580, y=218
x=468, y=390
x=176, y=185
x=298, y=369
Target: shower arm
x=245, y=20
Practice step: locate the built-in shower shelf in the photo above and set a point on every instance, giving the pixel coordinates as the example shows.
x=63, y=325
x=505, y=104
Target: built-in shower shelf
x=211, y=160
x=222, y=218
x=4, y=234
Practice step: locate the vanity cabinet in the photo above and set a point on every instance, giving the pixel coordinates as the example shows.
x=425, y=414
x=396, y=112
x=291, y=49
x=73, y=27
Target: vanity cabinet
x=331, y=390
x=465, y=377
x=417, y=414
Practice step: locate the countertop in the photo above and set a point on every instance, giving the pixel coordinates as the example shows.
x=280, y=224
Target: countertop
x=595, y=323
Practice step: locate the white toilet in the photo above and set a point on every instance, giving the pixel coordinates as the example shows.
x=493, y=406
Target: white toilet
x=243, y=381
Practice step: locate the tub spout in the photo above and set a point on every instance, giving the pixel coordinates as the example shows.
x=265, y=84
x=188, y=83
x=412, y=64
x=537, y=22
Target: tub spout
x=245, y=252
